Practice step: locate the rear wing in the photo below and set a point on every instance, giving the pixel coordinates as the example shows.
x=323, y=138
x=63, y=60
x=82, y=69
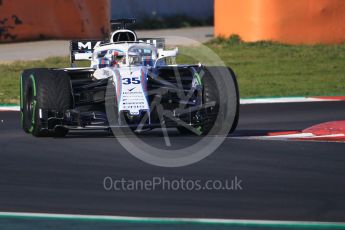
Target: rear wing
x=82, y=49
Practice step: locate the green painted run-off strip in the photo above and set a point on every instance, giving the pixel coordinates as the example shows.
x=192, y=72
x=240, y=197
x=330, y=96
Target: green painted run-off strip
x=178, y=221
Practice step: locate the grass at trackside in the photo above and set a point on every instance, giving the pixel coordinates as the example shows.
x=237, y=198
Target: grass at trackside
x=271, y=69
x=263, y=69
x=267, y=69
x=10, y=73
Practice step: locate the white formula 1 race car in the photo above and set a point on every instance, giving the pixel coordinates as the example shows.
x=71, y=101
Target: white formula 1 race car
x=130, y=77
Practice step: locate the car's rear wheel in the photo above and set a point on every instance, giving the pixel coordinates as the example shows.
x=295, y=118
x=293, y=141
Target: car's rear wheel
x=44, y=90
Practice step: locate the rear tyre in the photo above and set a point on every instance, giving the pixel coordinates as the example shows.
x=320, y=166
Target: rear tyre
x=44, y=90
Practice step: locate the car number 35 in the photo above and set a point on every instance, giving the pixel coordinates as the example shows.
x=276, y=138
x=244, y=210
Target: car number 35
x=128, y=81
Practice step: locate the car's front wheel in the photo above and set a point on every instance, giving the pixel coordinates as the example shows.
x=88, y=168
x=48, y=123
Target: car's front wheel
x=220, y=98
x=43, y=91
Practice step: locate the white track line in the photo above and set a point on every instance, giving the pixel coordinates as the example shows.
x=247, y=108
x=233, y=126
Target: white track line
x=167, y=220
x=283, y=100
x=9, y=108
x=242, y=101
x=285, y=136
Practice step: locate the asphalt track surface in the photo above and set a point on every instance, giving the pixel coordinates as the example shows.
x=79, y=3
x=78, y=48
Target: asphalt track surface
x=281, y=180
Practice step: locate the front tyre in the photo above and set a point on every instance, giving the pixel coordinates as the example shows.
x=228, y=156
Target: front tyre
x=220, y=88
x=220, y=98
x=44, y=91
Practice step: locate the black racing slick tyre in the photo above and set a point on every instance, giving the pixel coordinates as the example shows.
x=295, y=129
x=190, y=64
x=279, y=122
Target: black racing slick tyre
x=44, y=91
x=221, y=93
x=237, y=101
x=220, y=86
